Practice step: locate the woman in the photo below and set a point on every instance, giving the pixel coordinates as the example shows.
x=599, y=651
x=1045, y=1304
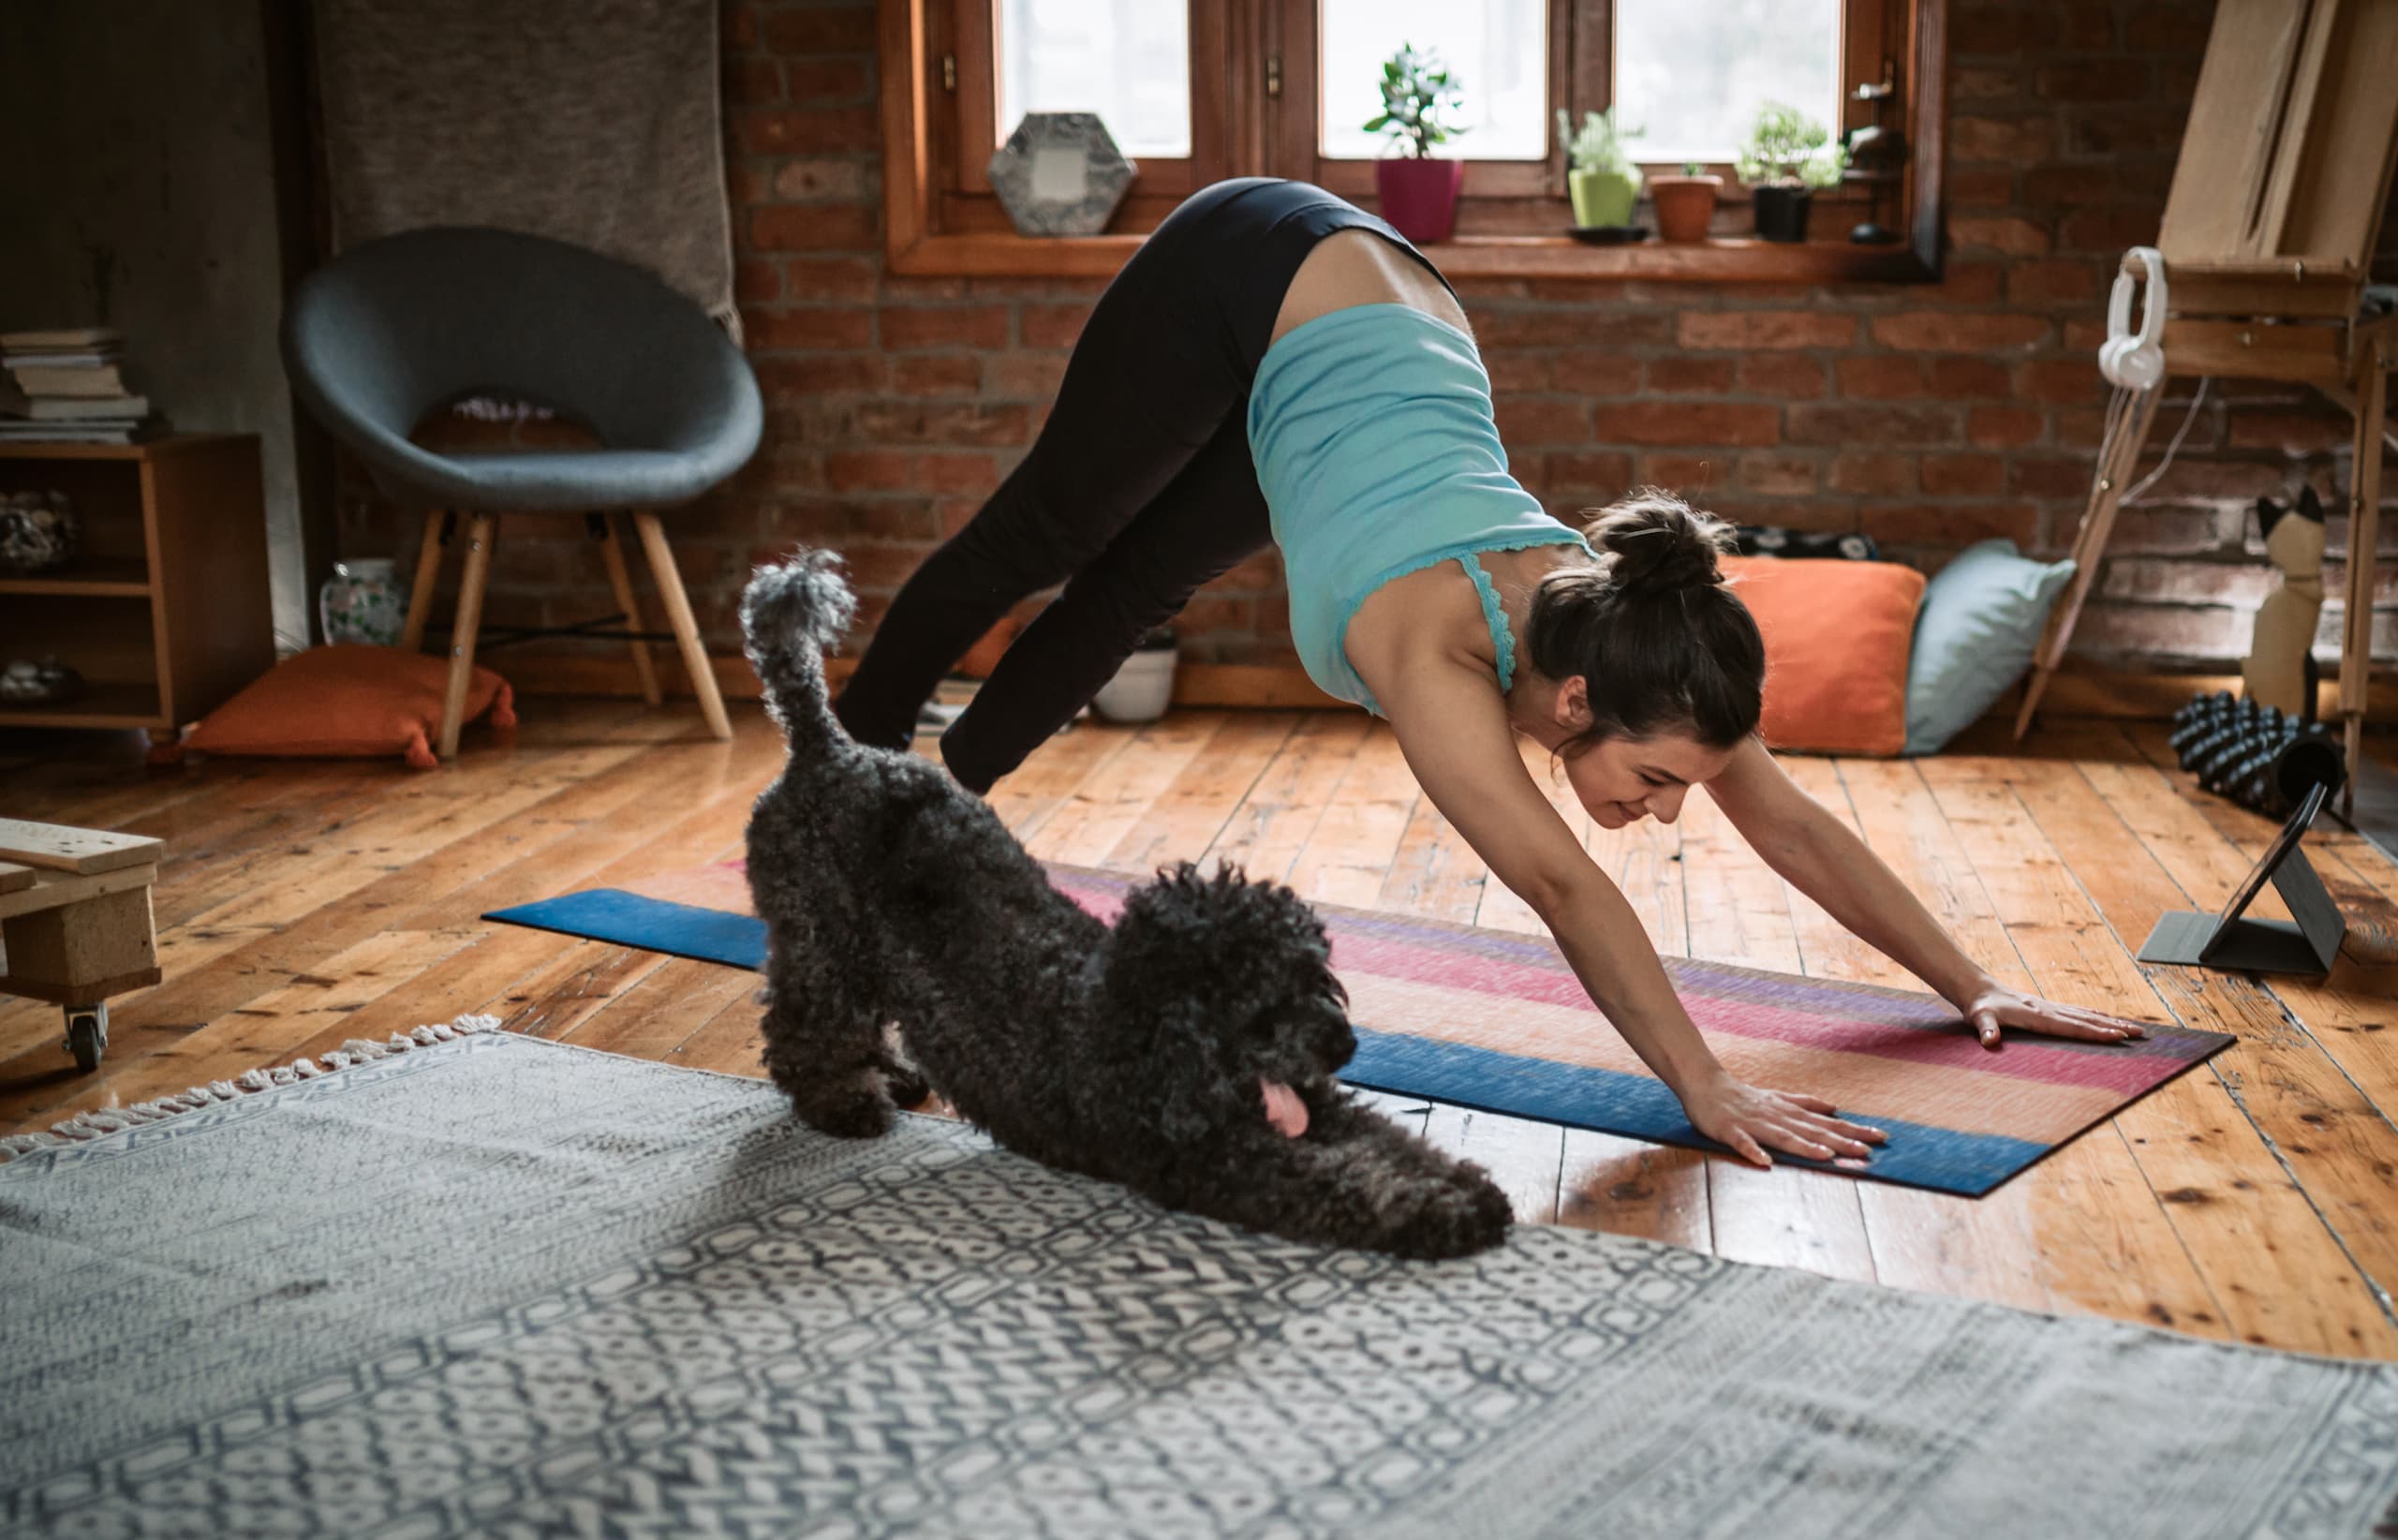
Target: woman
x=1275, y=364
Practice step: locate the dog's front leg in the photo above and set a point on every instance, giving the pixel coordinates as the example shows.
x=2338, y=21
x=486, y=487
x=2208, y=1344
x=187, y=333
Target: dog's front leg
x=1356, y=1179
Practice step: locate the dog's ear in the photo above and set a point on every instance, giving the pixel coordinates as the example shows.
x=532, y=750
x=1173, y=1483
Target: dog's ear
x=1182, y=1078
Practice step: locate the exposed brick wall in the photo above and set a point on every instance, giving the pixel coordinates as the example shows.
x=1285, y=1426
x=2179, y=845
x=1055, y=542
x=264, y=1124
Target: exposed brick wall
x=1929, y=416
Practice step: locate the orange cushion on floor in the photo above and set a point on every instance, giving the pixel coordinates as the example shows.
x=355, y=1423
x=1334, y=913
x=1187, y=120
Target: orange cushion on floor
x=349, y=701
x=1837, y=637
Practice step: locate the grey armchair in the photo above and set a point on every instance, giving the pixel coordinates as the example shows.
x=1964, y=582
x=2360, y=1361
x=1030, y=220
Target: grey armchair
x=388, y=331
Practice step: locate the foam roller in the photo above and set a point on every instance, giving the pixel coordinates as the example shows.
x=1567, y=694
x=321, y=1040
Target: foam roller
x=2258, y=756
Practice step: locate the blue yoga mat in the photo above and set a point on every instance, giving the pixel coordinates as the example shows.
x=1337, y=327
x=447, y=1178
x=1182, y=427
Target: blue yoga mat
x=682, y=930
x=1573, y=1095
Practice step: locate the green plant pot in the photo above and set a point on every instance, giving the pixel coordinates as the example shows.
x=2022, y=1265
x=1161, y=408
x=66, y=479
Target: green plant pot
x=1602, y=198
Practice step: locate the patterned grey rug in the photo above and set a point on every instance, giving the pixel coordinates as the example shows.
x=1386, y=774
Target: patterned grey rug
x=496, y=1286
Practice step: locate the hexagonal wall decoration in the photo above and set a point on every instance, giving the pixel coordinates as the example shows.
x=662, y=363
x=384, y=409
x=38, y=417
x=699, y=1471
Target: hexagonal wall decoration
x=1060, y=173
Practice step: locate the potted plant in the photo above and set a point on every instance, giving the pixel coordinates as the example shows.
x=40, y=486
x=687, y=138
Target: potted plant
x=1789, y=155
x=1599, y=177
x=1685, y=204
x=1418, y=193
x=1143, y=687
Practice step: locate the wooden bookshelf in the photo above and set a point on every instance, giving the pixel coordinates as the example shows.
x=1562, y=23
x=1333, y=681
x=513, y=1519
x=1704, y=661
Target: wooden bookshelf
x=164, y=610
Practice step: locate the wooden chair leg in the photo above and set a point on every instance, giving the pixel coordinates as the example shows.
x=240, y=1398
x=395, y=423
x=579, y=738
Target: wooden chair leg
x=2364, y=538
x=2089, y=547
x=687, y=629
x=481, y=534
x=428, y=575
x=611, y=551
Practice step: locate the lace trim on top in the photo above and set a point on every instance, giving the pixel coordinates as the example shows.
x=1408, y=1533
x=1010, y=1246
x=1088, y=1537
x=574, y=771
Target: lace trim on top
x=1494, y=616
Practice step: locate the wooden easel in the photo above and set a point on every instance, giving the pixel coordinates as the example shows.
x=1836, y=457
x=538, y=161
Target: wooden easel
x=2267, y=240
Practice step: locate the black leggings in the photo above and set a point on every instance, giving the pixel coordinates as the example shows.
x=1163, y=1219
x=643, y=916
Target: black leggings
x=1138, y=490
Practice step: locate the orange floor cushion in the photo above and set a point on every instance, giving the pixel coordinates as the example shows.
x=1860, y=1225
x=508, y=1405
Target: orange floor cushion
x=349, y=701
x=1837, y=639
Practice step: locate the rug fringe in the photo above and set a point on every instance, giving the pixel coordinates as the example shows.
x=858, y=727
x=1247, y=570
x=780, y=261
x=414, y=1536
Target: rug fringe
x=92, y=1125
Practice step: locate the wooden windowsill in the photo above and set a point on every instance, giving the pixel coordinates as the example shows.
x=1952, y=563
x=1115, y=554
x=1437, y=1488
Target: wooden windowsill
x=937, y=224
x=985, y=254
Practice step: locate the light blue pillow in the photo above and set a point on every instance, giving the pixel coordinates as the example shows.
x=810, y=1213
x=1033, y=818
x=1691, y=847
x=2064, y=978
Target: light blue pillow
x=1981, y=617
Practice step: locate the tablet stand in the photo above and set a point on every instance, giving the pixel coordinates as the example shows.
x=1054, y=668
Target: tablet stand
x=2229, y=943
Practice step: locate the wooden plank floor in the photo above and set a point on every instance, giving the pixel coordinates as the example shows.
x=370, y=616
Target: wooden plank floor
x=301, y=905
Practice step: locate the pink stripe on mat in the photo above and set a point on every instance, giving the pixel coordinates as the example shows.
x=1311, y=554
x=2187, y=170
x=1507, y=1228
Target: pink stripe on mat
x=1948, y=1044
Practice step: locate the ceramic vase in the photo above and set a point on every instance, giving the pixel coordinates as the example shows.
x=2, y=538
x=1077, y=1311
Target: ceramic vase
x=361, y=603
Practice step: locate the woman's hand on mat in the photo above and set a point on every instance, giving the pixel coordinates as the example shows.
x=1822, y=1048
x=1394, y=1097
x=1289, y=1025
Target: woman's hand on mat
x=1996, y=1008
x=1751, y=1118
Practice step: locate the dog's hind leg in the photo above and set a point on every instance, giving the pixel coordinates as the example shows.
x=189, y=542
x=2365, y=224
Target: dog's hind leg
x=905, y=1082
x=824, y=1048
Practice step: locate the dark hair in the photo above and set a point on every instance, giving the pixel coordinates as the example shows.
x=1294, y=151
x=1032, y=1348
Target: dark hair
x=1654, y=629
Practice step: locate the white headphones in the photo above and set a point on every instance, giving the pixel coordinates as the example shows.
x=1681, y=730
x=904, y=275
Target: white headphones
x=2136, y=361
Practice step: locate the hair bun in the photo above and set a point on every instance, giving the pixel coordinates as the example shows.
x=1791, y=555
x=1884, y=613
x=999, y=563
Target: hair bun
x=1659, y=544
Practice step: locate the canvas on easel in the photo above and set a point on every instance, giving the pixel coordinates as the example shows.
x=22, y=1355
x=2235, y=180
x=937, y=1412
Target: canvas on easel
x=2265, y=249
x=2307, y=943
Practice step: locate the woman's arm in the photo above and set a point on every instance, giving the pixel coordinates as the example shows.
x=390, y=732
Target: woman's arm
x=1453, y=728
x=1823, y=858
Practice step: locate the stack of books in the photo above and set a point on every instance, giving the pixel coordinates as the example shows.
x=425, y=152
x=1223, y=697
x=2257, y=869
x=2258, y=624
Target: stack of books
x=67, y=387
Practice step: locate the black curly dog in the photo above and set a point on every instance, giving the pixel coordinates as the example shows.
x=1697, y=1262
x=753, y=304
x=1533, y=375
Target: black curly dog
x=1135, y=1055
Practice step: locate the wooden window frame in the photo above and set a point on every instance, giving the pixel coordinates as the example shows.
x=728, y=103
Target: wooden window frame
x=1296, y=139
x=974, y=30
x=942, y=219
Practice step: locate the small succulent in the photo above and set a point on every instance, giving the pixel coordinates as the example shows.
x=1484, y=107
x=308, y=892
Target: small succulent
x=1417, y=89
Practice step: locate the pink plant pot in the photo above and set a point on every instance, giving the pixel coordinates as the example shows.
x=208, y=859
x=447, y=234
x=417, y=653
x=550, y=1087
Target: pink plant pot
x=1419, y=197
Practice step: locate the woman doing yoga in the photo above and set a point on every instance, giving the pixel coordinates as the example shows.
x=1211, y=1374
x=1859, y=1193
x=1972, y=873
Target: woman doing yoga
x=1276, y=366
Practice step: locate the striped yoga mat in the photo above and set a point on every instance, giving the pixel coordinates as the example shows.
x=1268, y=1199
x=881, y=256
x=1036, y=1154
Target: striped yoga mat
x=1497, y=1021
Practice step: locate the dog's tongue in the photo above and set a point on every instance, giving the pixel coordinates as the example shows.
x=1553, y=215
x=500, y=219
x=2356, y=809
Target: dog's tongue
x=1283, y=1109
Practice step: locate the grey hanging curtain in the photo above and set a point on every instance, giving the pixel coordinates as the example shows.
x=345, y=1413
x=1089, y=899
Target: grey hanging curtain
x=592, y=121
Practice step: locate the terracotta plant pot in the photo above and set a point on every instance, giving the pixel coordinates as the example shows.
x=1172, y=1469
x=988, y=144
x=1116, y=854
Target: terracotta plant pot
x=1782, y=212
x=1686, y=205
x=1419, y=196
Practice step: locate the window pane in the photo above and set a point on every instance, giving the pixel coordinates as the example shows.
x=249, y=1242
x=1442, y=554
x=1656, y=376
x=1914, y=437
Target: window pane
x=1694, y=72
x=1497, y=51
x=1128, y=61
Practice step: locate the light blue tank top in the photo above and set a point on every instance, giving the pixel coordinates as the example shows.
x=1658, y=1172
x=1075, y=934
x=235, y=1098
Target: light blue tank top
x=1376, y=448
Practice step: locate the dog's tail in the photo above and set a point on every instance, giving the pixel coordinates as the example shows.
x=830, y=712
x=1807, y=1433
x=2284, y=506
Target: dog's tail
x=789, y=615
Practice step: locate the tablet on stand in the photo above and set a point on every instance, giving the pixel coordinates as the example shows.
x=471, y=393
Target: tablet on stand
x=2233, y=944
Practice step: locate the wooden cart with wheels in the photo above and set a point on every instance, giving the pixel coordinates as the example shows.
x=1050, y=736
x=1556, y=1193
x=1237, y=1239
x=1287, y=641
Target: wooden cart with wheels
x=75, y=925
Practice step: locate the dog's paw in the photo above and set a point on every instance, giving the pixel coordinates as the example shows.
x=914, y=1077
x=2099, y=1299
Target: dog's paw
x=1457, y=1216
x=907, y=1086
x=860, y=1112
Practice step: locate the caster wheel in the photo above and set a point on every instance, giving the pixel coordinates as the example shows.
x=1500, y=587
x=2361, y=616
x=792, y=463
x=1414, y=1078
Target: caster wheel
x=87, y=1035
